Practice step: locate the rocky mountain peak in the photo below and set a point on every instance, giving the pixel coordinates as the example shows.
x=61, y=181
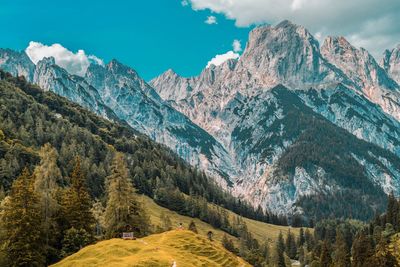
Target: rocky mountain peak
x=391, y=63
x=117, y=67
x=17, y=63
x=48, y=61
x=358, y=64
x=286, y=53
x=337, y=44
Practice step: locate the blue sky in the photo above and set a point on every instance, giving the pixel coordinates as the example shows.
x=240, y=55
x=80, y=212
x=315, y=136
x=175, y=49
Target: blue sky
x=150, y=36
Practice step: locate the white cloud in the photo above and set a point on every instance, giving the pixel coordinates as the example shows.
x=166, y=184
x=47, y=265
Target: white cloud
x=237, y=46
x=369, y=23
x=75, y=63
x=211, y=20
x=184, y=3
x=219, y=59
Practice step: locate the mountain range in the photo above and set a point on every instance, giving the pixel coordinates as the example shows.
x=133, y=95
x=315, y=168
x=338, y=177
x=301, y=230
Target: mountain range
x=290, y=126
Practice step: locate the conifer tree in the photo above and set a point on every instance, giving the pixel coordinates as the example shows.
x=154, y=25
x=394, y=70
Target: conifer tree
x=74, y=240
x=309, y=239
x=301, y=239
x=290, y=245
x=192, y=227
x=325, y=258
x=21, y=217
x=382, y=256
x=227, y=243
x=123, y=209
x=2, y=193
x=341, y=252
x=391, y=212
x=47, y=174
x=279, y=259
x=76, y=202
x=362, y=250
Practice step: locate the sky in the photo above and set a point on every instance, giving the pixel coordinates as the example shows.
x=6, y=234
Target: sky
x=152, y=36
x=149, y=36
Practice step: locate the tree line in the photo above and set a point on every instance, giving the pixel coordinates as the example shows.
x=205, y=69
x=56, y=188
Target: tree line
x=334, y=243
x=42, y=222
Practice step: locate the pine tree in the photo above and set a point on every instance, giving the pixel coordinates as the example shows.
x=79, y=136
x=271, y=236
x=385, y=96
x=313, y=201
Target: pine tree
x=341, y=251
x=76, y=202
x=74, y=240
x=192, y=227
x=362, y=250
x=325, y=258
x=290, y=245
x=309, y=239
x=301, y=239
x=382, y=256
x=2, y=193
x=123, y=209
x=21, y=217
x=227, y=243
x=279, y=259
x=47, y=174
x=391, y=211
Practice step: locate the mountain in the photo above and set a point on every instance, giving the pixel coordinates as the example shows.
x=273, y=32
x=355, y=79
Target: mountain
x=365, y=73
x=117, y=92
x=243, y=104
x=289, y=125
x=17, y=63
x=391, y=63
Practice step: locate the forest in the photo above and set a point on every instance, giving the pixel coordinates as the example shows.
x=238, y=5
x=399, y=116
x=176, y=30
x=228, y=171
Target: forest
x=62, y=156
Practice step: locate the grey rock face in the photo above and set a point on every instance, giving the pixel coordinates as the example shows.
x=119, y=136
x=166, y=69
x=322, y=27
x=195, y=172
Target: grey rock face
x=343, y=84
x=134, y=101
x=391, y=63
x=364, y=72
x=16, y=63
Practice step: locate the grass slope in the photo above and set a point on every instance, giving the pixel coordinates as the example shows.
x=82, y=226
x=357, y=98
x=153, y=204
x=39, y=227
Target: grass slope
x=261, y=231
x=183, y=247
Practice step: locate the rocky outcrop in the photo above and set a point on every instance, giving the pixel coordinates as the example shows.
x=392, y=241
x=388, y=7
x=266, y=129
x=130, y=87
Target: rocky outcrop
x=391, y=63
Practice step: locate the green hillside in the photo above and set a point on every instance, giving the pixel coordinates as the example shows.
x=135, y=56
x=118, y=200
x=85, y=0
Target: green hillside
x=261, y=231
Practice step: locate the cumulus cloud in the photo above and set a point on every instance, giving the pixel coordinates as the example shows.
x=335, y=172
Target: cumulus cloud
x=211, y=20
x=237, y=46
x=184, y=3
x=75, y=63
x=219, y=59
x=233, y=54
x=369, y=23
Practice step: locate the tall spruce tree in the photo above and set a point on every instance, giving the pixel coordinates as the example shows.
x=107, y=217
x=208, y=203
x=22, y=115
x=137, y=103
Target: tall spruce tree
x=77, y=203
x=382, y=256
x=362, y=250
x=290, y=245
x=123, y=209
x=279, y=257
x=21, y=216
x=325, y=257
x=341, y=252
x=47, y=174
x=301, y=239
